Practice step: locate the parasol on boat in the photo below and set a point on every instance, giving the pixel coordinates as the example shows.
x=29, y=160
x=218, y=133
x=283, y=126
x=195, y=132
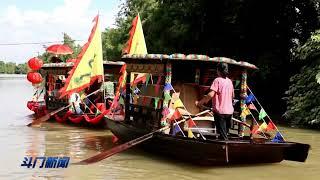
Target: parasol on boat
x=60, y=49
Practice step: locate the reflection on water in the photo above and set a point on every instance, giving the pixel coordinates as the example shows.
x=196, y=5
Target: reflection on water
x=54, y=139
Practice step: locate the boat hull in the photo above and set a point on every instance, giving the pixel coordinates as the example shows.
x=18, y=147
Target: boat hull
x=212, y=152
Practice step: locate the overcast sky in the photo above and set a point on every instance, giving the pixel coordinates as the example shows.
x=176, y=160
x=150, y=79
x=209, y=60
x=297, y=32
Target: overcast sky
x=24, y=21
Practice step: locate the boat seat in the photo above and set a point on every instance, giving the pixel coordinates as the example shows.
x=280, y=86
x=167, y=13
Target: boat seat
x=203, y=118
x=205, y=131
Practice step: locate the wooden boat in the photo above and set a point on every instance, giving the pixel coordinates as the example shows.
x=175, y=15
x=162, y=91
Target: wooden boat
x=54, y=75
x=143, y=115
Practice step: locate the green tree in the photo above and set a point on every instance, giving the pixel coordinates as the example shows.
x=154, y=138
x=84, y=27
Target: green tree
x=303, y=96
x=21, y=69
x=2, y=67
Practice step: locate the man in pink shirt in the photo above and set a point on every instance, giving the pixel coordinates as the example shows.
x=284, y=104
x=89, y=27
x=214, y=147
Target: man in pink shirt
x=221, y=94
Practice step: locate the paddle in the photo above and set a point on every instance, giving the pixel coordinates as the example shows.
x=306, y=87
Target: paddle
x=122, y=147
x=46, y=117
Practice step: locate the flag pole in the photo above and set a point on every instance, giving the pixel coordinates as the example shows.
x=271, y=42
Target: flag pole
x=266, y=112
x=189, y=115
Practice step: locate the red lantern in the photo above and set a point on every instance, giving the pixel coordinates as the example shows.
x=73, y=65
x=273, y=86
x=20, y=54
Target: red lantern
x=35, y=63
x=34, y=77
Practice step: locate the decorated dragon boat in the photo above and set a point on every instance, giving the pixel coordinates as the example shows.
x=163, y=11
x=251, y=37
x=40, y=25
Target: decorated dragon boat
x=77, y=91
x=160, y=113
x=46, y=97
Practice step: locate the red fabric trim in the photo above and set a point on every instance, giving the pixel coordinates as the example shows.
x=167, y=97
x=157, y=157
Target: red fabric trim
x=77, y=119
x=62, y=119
x=143, y=79
x=127, y=49
x=63, y=91
x=96, y=119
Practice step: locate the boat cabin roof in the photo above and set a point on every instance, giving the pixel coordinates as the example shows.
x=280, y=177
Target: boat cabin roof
x=70, y=64
x=158, y=58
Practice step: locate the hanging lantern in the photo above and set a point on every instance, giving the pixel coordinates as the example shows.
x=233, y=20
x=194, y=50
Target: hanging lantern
x=34, y=77
x=35, y=63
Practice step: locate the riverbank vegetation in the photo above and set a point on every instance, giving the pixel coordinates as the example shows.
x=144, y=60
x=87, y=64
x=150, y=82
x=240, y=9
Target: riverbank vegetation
x=13, y=68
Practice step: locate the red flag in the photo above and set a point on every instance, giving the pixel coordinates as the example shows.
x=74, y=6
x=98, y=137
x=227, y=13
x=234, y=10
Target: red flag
x=252, y=107
x=176, y=115
x=191, y=123
x=114, y=139
x=123, y=68
x=271, y=126
x=255, y=129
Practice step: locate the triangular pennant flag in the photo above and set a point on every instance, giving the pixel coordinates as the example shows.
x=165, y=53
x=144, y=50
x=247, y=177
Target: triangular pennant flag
x=255, y=129
x=262, y=114
x=165, y=111
x=141, y=77
x=176, y=115
x=89, y=65
x=252, y=106
x=121, y=101
x=237, y=83
x=136, y=43
x=178, y=104
x=97, y=112
x=167, y=87
x=245, y=112
x=190, y=134
x=136, y=90
x=263, y=127
x=191, y=123
x=278, y=138
x=176, y=129
x=147, y=79
x=271, y=126
x=250, y=98
x=167, y=96
x=156, y=101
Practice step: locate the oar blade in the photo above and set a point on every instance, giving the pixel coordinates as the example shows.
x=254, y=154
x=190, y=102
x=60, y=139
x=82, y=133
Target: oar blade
x=39, y=120
x=103, y=155
x=115, y=150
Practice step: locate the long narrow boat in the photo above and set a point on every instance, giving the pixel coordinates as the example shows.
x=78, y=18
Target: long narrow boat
x=212, y=151
x=191, y=76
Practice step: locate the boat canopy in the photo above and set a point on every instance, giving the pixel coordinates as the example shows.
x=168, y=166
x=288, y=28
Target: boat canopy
x=70, y=64
x=190, y=57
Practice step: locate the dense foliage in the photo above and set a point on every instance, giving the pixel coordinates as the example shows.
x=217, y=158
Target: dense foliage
x=12, y=68
x=303, y=96
x=263, y=32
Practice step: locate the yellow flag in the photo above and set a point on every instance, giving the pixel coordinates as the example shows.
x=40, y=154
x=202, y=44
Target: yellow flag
x=178, y=104
x=136, y=43
x=89, y=64
x=263, y=127
x=190, y=134
x=245, y=112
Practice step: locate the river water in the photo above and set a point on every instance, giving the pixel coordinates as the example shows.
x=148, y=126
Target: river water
x=53, y=139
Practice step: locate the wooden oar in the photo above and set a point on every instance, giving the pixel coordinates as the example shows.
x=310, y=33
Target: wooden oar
x=122, y=147
x=46, y=117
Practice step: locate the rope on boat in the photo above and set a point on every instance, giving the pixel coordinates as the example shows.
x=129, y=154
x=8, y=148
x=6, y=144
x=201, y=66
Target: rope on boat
x=266, y=113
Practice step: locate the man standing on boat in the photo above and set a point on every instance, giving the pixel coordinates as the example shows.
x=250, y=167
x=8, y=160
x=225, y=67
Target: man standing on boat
x=221, y=93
